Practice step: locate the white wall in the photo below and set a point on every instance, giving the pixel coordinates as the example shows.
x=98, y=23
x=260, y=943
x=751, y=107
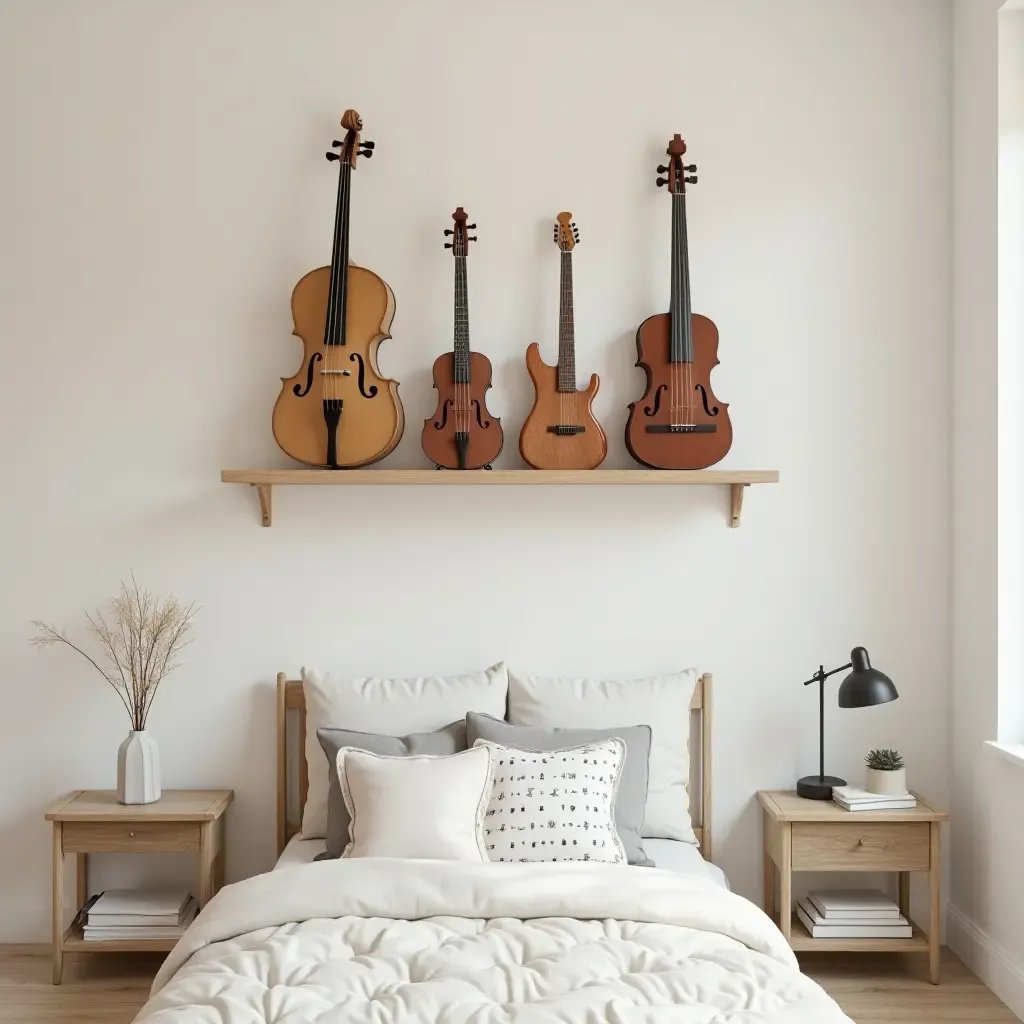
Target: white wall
x=1011, y=373
x=164, y=188
x=986, y=907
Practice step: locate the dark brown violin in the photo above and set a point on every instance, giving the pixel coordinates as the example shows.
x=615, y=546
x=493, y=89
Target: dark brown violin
x=679, y=423
x=462, y=434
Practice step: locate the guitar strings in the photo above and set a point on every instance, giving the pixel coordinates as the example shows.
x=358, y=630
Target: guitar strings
x=329, y=388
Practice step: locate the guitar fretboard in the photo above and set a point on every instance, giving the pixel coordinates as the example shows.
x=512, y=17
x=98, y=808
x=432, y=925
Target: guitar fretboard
x=566, y=337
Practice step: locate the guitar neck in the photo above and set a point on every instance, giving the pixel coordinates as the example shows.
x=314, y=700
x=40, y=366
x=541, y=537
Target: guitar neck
x=566, y=336
x=680, y=308
x=461, y=361
x=334, y=332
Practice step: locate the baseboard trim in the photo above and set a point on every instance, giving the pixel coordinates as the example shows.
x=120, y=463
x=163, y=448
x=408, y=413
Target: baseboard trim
x=26, y=948
x=990, y=961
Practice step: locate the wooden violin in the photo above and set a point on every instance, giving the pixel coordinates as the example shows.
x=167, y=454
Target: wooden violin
x=679, y=423
x=561, y=431
x=337, y=411
x=462, y=434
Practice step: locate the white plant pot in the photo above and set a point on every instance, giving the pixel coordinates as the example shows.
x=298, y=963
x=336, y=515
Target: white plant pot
x=892, y=783
x=138, y=769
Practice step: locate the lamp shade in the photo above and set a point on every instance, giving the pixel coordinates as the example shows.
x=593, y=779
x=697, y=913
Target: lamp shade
x=865, y=685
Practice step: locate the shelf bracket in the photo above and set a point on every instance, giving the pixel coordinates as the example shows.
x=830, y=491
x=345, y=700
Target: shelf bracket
x=266, y=493
x=736, y=504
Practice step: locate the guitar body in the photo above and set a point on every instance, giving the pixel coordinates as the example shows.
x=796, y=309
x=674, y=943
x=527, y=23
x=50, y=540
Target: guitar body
x=538, y=444
x=678, y=393
x=372, y=419
x=462, y=410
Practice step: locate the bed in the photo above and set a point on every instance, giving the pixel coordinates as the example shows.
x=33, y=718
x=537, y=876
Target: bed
x=384, y=940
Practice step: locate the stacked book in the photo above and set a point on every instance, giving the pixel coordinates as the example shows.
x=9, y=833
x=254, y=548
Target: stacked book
x=852, y=914
x=138, y=914
x=852, y=799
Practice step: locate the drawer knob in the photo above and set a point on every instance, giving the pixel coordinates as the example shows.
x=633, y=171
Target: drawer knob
x=860, y=842
x=131, y=835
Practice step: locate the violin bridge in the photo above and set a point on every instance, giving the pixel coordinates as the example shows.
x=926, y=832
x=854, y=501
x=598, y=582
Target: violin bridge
x=683, y=428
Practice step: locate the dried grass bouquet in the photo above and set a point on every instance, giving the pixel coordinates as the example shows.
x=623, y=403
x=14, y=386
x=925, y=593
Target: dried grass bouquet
x=140, y=636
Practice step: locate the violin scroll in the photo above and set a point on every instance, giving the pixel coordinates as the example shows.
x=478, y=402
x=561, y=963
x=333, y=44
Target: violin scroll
x=460, y=237
x=351, y=147
x=679, y=174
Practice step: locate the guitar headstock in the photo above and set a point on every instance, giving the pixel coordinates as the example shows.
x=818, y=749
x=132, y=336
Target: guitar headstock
x=351, y=147
x=566, y=232
x=461, y=237
x=679, y=174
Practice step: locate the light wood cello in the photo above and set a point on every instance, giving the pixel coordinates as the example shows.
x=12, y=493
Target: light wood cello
x=679, y=423
x=338, y=411
x=561, y=431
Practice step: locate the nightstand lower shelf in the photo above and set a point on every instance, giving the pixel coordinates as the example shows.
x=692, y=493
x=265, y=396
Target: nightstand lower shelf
x=75, y=943
x=801, y=942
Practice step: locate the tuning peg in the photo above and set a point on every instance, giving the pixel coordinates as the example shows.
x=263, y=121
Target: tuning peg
x=662, y=169
x=661, y=181
x=332, y=156
x=447, y=245
x=689, y=168
x=692, y=180
x=472, y=238
x=336, y=144
x=448, y=231
x=471, y=227
x=367, y=145
x=366, y=152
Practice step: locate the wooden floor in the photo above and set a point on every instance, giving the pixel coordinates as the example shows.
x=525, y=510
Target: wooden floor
x=870, y=988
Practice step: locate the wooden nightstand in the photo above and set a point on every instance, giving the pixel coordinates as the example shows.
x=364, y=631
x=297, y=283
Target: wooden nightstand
x=92, y=821
x=818, y=835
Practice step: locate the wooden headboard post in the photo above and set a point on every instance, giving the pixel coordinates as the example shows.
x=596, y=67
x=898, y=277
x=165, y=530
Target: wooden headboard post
x=291, y=698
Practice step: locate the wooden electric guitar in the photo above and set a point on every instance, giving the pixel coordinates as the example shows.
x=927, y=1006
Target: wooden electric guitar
x=561, y=431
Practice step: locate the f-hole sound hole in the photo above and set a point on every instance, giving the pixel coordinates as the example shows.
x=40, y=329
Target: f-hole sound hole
x=648, y=411
x=479, y=416
x=299, y=391
x=710, y=410
x=440, y=424
x=366, y=392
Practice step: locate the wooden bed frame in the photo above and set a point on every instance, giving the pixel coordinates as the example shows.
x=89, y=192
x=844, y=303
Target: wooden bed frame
x=290, y=698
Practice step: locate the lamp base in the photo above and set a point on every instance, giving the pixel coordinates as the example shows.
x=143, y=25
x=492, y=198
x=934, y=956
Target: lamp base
x=818, y=787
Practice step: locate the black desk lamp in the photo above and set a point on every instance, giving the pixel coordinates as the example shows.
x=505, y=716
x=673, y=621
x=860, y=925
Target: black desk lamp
x=862, y=688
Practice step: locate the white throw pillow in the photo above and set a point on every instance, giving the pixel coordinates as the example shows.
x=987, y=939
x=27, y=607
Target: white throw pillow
x=550, y=805
x=422, y=807
x=392, y=707
x=662, y=702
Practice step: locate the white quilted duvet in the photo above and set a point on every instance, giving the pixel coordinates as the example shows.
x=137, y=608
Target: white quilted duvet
x=380, y=941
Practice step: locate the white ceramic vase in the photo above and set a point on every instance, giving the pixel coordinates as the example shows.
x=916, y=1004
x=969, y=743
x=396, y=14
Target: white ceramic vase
x=138, y=769
x=892, y=783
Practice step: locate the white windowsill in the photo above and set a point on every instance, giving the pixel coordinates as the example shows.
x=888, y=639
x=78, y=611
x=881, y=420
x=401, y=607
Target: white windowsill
x=1012, y=752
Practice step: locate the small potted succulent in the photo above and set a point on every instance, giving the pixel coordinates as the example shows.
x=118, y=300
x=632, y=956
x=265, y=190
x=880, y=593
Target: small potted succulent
x=886, y=773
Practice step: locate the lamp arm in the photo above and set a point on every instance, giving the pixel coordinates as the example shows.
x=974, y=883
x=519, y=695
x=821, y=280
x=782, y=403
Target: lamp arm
x=820, y=677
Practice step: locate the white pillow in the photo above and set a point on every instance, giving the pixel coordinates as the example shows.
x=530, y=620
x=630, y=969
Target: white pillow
x=392, y=707
x=550, y=805
x=662, y=702
x=421, y=806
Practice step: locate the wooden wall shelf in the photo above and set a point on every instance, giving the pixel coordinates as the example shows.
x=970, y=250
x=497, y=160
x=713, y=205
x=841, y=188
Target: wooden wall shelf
x=264, y=480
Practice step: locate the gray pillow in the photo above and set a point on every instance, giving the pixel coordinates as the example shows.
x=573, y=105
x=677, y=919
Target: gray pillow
x=449, y=740
x=632, y=795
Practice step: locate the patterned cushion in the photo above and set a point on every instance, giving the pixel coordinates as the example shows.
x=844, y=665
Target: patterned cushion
x=554, y=805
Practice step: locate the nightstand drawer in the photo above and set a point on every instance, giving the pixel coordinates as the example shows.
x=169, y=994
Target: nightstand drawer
x=867, y=846
x=131, y=837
